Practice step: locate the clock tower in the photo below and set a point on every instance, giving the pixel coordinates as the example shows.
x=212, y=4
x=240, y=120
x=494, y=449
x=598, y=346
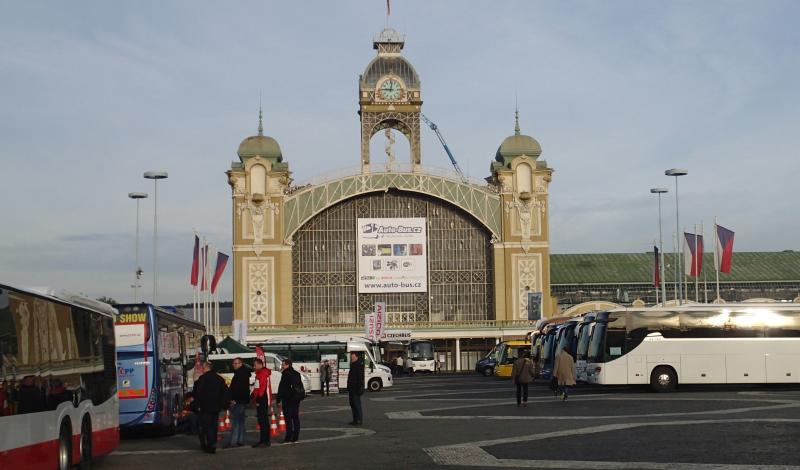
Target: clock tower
x=389, y=96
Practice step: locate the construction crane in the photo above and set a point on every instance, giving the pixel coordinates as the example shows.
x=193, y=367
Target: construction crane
x=435, y=129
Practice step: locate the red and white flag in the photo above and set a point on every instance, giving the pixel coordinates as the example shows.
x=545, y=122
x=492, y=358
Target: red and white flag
x=724, y=248
x=260, y=354
x=195, y=261
x=692, y=254
x=222, y=261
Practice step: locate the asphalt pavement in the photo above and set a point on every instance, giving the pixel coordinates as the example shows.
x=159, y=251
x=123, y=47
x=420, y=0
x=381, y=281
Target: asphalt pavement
x=461, y=421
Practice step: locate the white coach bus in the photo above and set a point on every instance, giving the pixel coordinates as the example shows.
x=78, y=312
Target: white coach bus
x=697, y=344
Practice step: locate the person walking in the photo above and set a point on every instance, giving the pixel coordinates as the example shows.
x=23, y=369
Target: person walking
x=325, y=378
x=290, y=394
x=240, y=398
x=262, y=399
x=355, y=387
x=399, y=363
x=522, y=375
x=211, y=395
x=564, y=372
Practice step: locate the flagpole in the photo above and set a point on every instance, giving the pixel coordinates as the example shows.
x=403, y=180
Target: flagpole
x=705, y=277
x=657, y=268
x=716, y=255
x=677, y=260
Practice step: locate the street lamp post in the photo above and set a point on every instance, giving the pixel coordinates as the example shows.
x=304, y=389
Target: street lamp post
x=661, y=191
x=138, y=271
x=155, y=176
x=676, y=172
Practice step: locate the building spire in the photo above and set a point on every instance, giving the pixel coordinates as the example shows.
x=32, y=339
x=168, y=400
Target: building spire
x=260, y=121
x=516, y=119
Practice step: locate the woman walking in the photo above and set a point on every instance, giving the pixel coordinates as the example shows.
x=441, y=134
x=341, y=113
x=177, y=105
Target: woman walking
x=564, y=372
x=522, y=376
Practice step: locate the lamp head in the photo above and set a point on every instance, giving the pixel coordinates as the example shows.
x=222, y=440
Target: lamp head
x=155, y=175
x=676, y=172
x=137, y=195
x=659, y=190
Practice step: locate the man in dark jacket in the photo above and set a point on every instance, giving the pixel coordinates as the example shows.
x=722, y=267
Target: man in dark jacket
x=240, y=398
x=210, y=394
x=355, y=387
x=290, y=393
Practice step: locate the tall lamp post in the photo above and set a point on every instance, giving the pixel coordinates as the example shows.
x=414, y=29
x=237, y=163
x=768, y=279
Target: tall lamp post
x=155, y=176
x=661, y=191
x=676, y=172
x=138, y=271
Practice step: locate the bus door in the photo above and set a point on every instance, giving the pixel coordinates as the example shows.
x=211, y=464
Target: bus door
x=134, y=365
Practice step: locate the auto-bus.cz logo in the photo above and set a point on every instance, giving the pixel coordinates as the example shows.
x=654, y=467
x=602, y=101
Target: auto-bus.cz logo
x=376, y=231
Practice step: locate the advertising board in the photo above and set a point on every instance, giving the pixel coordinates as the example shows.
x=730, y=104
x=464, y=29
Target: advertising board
x=392, y=255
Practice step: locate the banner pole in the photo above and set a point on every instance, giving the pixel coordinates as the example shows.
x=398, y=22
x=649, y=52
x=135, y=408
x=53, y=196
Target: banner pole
x=716, y=255
x=696, y=265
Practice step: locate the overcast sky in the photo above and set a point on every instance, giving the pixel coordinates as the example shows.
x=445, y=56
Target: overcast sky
x=92, y=94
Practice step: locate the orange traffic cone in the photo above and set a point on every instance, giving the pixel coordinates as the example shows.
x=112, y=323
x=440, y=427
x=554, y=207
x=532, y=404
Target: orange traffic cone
x=221, y=425
x=273, y=427
x=228, y=421
x=282, y=423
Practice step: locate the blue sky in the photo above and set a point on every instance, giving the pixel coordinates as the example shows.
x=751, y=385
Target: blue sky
x=92, y=94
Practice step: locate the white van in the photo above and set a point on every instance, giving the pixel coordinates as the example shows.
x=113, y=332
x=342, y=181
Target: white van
x=223, y=365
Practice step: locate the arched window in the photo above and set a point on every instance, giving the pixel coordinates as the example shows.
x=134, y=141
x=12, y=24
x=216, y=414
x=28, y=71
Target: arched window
x=258, y=179
x=524, y=178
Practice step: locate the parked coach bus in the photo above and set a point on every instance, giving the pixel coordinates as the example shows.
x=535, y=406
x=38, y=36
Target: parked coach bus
x=422, y=355
x=58, y=388
x=697, y=344
x=156, y=351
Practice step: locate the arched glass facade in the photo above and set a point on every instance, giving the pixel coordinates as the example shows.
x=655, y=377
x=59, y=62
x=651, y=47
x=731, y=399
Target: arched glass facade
x=460, y=264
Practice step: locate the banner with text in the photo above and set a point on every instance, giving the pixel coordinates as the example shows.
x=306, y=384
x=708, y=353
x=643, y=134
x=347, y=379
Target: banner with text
x=392, y=255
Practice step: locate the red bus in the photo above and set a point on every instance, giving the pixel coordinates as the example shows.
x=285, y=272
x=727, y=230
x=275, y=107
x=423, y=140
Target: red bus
x=58, y=380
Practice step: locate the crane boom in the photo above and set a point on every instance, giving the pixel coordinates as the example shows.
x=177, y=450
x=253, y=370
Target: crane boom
x=435, y=130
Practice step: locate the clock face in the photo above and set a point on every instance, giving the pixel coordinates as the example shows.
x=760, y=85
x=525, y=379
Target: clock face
x=390, y=90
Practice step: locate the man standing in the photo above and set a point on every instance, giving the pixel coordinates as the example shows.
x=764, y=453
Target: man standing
x=240, y=398
x=262, y=398
x=522, y=376
x=210, y=395
x=355, y=387
x=399, y=365
x=290, y=393
x=325, y=378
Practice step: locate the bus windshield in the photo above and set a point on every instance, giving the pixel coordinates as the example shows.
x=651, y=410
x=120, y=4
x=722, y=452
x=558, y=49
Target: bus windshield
x=420, y=351
x=597, y=342
x=583, y=341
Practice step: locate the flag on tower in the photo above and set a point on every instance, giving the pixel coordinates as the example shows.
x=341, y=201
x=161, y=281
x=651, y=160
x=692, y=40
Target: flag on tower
x=656, y=269
x=195, y=261
x=692, y=253
x=222, y=260
x=724, y=248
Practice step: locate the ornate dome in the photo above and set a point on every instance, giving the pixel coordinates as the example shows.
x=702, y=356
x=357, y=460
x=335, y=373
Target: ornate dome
x=260, y=146
x=517, y=145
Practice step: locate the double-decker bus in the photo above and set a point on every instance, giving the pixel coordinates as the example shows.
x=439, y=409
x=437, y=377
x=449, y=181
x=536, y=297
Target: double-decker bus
x=58, y=388
x=306, y=353
x=697, y=344
x=155, y=364
x=422, y=355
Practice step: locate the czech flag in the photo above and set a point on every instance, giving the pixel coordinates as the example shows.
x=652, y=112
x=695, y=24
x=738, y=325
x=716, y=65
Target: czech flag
x=656, y=269
x=204, y=261
x=222, y=261
x=725, y=249
x=195, y=261
x=692, y=255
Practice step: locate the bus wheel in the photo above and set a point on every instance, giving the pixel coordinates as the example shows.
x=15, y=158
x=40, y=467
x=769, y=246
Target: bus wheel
x=65, y=446
x=663, y=379
x=86, y=444
x=488, y=372
x=375, y=385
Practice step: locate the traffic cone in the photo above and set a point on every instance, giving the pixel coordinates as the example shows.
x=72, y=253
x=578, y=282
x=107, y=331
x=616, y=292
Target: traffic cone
x=282, y=424
x=273, y=426
x=227, y=420
x=221, y=425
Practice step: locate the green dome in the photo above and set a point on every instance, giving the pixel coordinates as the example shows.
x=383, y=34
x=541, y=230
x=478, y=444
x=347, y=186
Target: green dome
x=517, y=145
x=260, y=146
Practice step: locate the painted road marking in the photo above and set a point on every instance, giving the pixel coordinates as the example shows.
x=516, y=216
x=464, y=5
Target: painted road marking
x=471, y=454
x=346, y=433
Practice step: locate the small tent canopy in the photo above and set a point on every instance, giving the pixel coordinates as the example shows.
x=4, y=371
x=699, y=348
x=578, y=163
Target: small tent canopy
x=231, y=346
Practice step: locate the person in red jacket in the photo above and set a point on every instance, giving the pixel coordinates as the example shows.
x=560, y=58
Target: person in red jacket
x=262, y=399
